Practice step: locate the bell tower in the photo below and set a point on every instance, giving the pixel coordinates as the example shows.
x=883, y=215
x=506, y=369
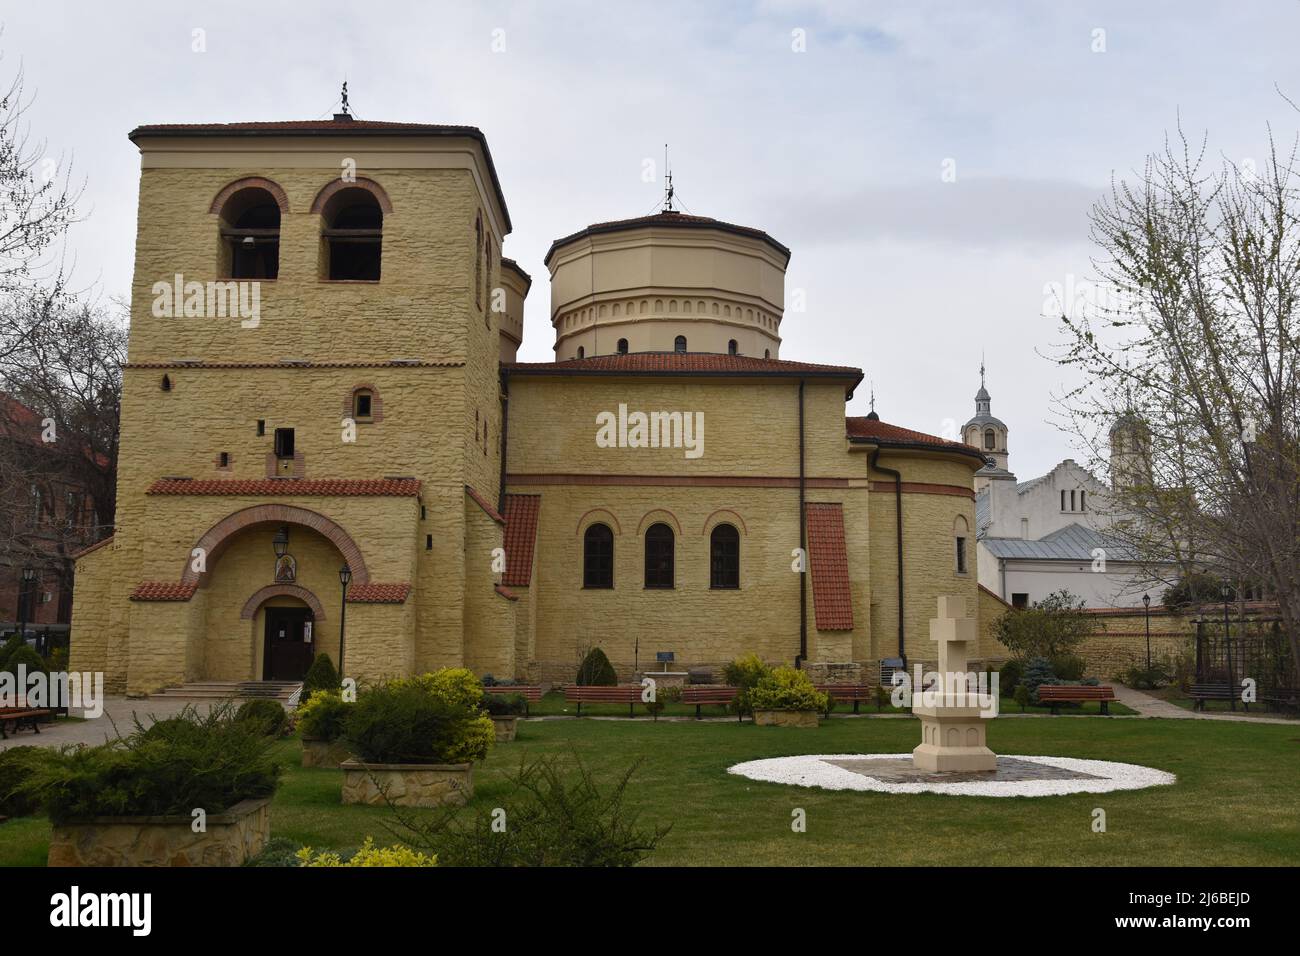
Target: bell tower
x=984, y=431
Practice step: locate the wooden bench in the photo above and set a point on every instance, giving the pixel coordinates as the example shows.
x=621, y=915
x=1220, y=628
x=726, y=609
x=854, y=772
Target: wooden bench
x=717, y=694
x=856, y=693
x=1057, y=694
x=1203, y=692
x=629, y=694
x=531, y=693
x=16, y=717
x=1280, y=697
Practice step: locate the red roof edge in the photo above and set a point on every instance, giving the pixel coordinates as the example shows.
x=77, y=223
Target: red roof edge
x=483, y=503
x=520, y=539
x=164, y=591
x=506, y=593
x=379, y=593
x=94, y=547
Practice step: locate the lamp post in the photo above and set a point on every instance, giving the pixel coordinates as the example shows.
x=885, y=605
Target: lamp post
x=1146, y=603
x=345, y=577
x=1227, y=644
x=24, y=592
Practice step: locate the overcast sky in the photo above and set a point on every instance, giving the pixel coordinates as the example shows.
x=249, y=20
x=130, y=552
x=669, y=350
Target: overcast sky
x=839, y=151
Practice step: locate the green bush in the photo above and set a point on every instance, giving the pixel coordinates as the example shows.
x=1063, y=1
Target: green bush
x=17, y=765
x=279, y=851
x=1022, y=696
x=504, y=704
x=744, y=673
x=266, y=714
x=1069, y=667
x=434, y=718
x=323, y=715
x=208, y=761
x=1141, y=677
x=556, y=818
x=11, y=644
x=596, y=670
x=1037, y=671
x=23, y=654
x=787, y=689
x=1050, y=628
x=320, y=676
x=57, y=661
x=1009, y=677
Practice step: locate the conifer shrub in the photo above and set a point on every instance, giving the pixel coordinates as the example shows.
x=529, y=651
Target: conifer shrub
x=320, y=676
x=267, y=715
x=17, y=765
x=786, y=688
x=323, y=716
x=433, y=718
x=24, y=655
x=208, y=760
x=596, y=670
x=1009, y=677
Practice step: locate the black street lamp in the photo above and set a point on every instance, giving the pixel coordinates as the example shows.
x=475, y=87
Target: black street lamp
x=1227, y=644
x=281, y=541
x=24, y=595
x=1146, y=603
x=345, y=578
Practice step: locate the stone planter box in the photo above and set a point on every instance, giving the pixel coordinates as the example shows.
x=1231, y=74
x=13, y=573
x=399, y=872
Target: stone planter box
x=324, y=753
x=408, y=784
x=230, y=838
x=785, y=718
x=505, y=727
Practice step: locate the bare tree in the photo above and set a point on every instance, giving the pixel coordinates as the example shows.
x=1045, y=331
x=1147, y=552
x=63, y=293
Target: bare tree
x=1193, y=367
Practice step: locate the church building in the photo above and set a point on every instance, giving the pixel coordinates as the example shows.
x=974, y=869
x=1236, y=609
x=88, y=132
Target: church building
x=328, y=444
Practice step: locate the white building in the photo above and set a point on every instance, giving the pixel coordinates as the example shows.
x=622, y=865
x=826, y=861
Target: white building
x=1045, y=535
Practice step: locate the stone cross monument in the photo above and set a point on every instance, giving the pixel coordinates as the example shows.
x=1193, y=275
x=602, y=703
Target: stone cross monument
x=952, y=720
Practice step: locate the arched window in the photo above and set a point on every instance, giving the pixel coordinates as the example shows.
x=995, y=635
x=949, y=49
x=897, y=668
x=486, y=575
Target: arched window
x=352, y=233
x=724, y=557
x=767, y=353
x=250, y=235
x=166, y=383
x=659, y=556
x=990, y=439
x=732, y=347
x=582, y=352
x=622, y=346
x=961, y=531
x=598, y=557
x=679, y=344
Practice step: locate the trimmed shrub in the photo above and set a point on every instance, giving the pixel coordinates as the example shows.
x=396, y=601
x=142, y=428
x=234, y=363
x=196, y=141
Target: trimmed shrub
x=744, y=673
x=279, y=851
x=1009, y=677
x=17, y=765
x=323, y=715
x=504, y=705
x=24, y=655
x=11, y=644
x=1140, y=677
x=267, y=715
x=322, y=675
x=208, y=760
x=596, y=670
x=368, y=855
x=434, y=718
x=787, y=689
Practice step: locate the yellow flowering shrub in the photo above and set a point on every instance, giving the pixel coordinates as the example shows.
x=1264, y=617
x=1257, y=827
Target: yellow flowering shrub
x=369, y=855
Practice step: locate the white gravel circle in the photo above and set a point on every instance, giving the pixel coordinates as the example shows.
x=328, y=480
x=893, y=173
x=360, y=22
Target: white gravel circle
x=813, y=770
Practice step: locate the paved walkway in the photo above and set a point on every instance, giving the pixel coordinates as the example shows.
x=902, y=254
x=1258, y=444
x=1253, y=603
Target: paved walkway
x=1149, y=706
x=117, y=710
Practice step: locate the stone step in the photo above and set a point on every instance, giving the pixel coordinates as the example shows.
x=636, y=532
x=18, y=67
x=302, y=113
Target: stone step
x=239, y=690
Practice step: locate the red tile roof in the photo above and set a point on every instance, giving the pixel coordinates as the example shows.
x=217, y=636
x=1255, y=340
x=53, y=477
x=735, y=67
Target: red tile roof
x=862, y=428
x=829, y=562
x=671, y=220
x=164, y=591
x=94, y=547
x=378, y=593
x=684, y=363
x=520, y=537
x=506, y=593
x=485, y=505
x=290, y=487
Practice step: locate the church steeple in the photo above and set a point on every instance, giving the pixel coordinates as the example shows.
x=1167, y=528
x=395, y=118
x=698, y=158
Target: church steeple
x=987, y=433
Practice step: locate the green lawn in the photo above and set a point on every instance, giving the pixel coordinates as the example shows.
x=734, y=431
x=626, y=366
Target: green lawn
x=1235, y=802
